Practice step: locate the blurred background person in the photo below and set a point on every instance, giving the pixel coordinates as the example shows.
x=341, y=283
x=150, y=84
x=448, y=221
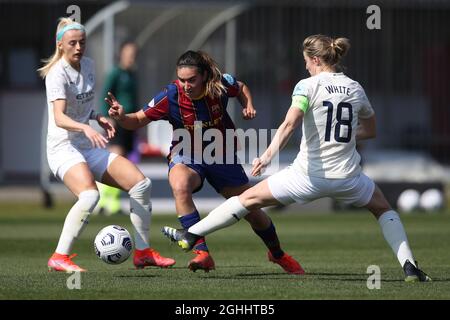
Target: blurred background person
x=122, y=82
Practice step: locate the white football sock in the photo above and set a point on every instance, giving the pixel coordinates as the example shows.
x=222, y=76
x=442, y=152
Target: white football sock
x=76, y=220
x=395, y=235
x=140, y=212
x=228, y=213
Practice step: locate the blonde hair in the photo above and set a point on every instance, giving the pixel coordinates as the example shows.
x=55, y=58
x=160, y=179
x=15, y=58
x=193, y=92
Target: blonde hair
x=204, y=62
x=329, y=50
x=48, y=63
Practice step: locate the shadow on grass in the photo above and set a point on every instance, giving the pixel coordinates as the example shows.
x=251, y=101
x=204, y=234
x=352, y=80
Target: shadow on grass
x=237, y=267
x=433, y=280
x=137, y=276
x=308, y=274
x=323, y=276
x=283, y=275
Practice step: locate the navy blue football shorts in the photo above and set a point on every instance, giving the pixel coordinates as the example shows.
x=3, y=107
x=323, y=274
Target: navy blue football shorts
x=219, y=176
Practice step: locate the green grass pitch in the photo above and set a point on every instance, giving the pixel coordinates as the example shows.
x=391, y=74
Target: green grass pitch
x=335, y=249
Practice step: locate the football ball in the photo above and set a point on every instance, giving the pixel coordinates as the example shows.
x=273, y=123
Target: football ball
x=431, y=200
x=113, y=244
x=409, y=200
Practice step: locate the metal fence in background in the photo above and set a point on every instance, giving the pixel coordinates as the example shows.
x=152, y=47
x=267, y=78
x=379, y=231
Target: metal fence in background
x=402, y=66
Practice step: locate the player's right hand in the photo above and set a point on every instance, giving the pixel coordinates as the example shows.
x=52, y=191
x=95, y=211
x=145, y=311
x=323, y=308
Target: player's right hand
x=116, y=110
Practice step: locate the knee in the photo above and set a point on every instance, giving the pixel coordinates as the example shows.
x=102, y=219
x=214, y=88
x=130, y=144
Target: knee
x=141, y=190
x=250, y=201
x=88, y=200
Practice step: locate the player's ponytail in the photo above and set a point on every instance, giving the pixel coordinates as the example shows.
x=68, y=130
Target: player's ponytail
x=48, y=63
x=330, y=51
x=214, y=86
x=204, y=63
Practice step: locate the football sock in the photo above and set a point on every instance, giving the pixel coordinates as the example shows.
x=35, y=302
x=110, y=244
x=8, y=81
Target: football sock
x=395, y=235
x=228, y=213
x=270, y=238
x=188, y=221
x=76, y=220
x=140, y=212
x=104, y=197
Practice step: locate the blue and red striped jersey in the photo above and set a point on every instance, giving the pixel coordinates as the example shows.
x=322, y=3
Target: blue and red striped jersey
x=173, y=105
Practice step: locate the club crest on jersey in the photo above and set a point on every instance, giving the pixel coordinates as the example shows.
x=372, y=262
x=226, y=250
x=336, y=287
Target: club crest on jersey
x=91, y=77
x=228, y=78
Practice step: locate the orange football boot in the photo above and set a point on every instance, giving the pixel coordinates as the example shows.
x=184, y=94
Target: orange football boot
x=203, y=261
x=150, y=257
x=64, y=263
x=289, y=264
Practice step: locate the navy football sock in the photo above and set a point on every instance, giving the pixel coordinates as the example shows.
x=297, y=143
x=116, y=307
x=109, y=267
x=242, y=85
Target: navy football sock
x=188, y=221
x=270, y=238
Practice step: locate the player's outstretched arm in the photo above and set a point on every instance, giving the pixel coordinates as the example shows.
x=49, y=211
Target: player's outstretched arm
x=130, y=121
x=279, y=141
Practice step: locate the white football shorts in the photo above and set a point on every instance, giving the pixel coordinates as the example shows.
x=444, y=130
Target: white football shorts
x=63, y=158
x=291, y=185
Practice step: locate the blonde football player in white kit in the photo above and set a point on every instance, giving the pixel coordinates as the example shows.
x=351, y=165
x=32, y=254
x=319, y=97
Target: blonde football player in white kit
x=335, y=113
x=76, y=152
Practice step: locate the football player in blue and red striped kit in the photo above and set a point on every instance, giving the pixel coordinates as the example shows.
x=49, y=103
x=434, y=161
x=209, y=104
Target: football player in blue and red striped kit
x=201, y=93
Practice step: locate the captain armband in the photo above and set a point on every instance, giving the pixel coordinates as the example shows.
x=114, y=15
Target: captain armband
x=300, y=102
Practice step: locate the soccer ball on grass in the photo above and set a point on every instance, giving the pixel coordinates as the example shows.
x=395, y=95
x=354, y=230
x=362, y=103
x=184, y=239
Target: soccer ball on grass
x=113, y=244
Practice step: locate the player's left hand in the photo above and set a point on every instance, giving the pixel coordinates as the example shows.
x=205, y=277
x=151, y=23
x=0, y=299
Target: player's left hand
x=107, y=126
x=248, y=112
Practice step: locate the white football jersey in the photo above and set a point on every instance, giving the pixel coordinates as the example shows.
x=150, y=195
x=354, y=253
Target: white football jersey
x=77, y=88
x=328, y=146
